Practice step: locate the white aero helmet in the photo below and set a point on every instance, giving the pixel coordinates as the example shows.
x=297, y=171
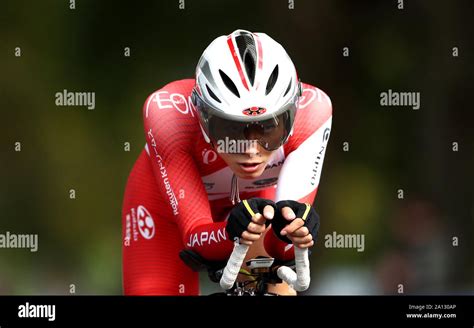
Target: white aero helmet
x=246, y=89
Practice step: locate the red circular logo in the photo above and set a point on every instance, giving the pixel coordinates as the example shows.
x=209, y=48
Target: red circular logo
x=254, y=111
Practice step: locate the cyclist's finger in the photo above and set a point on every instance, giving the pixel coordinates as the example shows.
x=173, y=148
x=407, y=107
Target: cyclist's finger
x=256, y=228
x=292, y=227
x=268, y=212
x=288, y=213
x=258, y=218
x=301, y=232
x=307, y=245
x=300, y=240
x=250, y=236
x=246, y=242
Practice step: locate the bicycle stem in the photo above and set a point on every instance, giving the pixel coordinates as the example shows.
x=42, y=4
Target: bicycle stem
x=298, y=280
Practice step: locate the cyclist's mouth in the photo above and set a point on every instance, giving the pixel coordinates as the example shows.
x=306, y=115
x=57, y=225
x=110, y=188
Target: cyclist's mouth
x=249, y=167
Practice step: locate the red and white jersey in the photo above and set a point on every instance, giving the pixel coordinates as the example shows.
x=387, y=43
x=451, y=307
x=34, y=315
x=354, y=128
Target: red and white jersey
x=194, y=183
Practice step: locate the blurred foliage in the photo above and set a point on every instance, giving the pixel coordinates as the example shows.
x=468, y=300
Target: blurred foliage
x=67, y=148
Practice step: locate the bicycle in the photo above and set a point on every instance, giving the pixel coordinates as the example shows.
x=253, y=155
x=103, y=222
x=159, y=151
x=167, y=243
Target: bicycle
x=263, y=271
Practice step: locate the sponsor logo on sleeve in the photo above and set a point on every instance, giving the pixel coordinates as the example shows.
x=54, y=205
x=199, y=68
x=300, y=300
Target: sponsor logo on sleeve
x=173, y=201
x=167, y=100
x=146, y=225
x=138, y=222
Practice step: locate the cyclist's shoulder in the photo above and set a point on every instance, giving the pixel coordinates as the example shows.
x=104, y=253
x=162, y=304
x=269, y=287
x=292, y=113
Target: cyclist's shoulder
x=314, y=109
x=315, y=100
x=314, y=113
x=172, y=99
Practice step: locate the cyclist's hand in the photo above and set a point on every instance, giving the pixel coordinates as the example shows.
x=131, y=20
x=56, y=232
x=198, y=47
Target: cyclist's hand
x=246, y=221
x=296, y=223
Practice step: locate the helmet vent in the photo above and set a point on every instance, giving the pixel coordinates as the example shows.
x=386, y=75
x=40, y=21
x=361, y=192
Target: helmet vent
x=287, y=89
x=249, y=63
x=229, y=84
x=248, y=53
x=212, y=94
x=272, y=80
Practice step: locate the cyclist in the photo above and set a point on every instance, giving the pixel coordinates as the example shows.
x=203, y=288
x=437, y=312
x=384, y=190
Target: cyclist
x=193, y=172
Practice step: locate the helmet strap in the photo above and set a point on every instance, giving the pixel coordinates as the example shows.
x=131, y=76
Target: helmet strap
x=234, y=190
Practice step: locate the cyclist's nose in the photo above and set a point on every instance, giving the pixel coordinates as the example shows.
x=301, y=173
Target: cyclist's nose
x=253, y=148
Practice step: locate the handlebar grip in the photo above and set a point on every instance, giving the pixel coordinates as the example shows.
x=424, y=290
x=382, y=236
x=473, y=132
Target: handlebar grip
x=233, y=266
x=300, y=279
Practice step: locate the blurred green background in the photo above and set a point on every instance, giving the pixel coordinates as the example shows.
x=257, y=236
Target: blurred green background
x=407, y=240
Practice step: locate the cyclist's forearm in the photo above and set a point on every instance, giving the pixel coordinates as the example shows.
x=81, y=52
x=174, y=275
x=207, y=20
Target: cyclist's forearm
x=210, y=241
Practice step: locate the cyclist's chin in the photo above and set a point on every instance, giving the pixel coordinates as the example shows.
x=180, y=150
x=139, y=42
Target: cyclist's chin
x=247, y=176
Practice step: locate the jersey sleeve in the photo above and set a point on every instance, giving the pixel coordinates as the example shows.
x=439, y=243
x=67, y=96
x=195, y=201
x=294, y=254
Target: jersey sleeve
x=305, y=150
x=171, y=135
x=300, y=175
